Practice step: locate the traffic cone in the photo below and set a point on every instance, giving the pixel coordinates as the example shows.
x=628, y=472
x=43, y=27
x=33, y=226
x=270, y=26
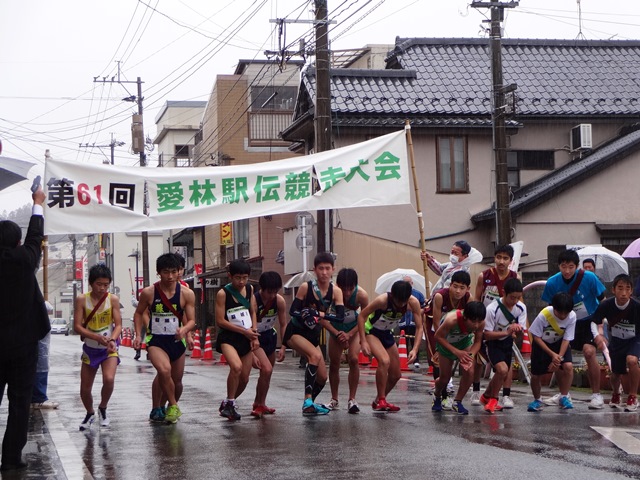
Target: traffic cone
x=222, y=361
x=129, y=337
x=197, y=352
x=526, y=342
x=374, y=362
x=208, y=351
x=363, y=359
x=402, y=351
x=125, y=337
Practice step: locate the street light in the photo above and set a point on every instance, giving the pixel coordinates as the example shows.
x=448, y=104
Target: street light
x=136, y=254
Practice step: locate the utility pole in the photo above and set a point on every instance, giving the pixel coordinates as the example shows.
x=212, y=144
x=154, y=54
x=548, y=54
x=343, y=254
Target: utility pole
x=112, y=145
x=138, y=146
x=322, y=116
x=503, y=212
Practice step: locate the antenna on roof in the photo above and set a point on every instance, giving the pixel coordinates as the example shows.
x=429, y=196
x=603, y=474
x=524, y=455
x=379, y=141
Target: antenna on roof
x=580, y=34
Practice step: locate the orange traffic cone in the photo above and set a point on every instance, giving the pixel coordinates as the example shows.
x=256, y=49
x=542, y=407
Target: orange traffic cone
x=197, y=352
x=402, y=351
x=363, y=359
x=125, y=338
x=526, y=342
x=374, y=362
x=208, y=351
x=222, y=361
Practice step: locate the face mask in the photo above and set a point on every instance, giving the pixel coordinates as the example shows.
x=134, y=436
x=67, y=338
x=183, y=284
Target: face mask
x=453, y=258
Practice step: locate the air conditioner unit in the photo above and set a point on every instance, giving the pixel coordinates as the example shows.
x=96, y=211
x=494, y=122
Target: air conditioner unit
x=580, y=138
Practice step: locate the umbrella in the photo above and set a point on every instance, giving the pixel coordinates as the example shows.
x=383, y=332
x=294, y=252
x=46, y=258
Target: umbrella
x=386, y=280
x=609, y=264
x=633, y=250
x=299, y=278
x=13, y=171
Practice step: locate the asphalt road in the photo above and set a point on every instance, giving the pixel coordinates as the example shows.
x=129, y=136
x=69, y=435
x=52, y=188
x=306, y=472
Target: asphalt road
x=413, y=443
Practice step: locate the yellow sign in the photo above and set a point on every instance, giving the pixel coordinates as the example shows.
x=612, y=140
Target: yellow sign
x=226, y=233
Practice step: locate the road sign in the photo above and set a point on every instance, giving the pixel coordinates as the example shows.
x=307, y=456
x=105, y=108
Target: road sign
x=306, y=241
x=308, y=219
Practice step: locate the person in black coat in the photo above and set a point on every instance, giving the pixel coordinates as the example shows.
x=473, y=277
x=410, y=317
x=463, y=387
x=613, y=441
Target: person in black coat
x=23, y=322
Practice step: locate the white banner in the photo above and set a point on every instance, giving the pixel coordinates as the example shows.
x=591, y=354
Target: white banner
x=84, y=198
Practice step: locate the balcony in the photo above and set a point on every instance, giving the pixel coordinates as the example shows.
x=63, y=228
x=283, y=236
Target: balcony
x=265, y=127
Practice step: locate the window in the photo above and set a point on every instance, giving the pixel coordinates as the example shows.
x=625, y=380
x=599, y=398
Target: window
x=273, y=98
x=513, y=174
x=527, y=160
x=453, y=165
x=241, y=237
x=182, y=156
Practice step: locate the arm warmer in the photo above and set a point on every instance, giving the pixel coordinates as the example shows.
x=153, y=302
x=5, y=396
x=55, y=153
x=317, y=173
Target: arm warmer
x=339, y=315
x=296, y=307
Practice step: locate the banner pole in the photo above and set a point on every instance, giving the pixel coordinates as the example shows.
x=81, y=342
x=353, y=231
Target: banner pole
x=407, y=127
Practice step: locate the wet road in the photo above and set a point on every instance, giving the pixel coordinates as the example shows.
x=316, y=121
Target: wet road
x=413, y=443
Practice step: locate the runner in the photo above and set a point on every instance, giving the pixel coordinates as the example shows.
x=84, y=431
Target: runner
x=168, y=306
x=506, y=317
x=317, y=303
x=270, y=308
x=376, y=323
x=459, y=337
x=98, y=322
x=346, y=338
x=237, y=333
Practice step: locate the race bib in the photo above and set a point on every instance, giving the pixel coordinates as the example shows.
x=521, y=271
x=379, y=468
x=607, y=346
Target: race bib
x=240, y=317
x=491, y=294
x=164, y=324
x=386, y=323
x=350, y=316
x=623, y=331
x=266, y=323
x=580, y=310
x=549, y=335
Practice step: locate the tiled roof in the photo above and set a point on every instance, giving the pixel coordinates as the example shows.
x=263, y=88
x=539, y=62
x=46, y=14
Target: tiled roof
x=567, y=176
x=443, y=77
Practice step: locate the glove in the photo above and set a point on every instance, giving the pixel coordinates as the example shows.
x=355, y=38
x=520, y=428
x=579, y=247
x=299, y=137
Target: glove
x=310, y=317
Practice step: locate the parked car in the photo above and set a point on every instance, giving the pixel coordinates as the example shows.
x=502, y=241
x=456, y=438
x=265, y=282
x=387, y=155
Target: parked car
x=59, y=325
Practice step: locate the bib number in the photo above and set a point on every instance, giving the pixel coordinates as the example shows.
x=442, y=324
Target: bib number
x=240, y=317
x=164, y=325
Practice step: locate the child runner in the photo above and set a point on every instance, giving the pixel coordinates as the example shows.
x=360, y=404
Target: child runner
x=97, y=319
x=552, y=331
x=454, y=297
x=459, y=337
x=506, y=317
x=376, y=323
x=270, y=308
x=237, y=332
x=490, y=287
x=346, y=338
x=171, y=313
x=317, y=303
x=623, y=315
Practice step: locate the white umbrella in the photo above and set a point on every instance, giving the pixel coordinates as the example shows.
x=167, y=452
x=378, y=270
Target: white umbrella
x=386, y=280
x=299, y=278
x=609, y=264
x=13, y=171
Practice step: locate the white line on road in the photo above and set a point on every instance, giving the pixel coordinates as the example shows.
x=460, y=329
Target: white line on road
x=621, y=437
x=72, y=464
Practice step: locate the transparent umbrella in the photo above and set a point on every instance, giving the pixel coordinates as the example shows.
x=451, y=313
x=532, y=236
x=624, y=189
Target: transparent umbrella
x=299, y=278
x=386, y=280
x=633, y=250
x=609, y=264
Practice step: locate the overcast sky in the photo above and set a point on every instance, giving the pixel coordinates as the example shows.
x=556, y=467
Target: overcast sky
x=50, y=53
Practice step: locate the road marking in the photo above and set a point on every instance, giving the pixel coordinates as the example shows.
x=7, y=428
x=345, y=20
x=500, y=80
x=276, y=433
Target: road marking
x=621, y=437
x=72, y=464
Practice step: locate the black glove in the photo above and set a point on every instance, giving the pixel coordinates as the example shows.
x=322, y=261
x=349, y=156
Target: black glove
x=310, y=317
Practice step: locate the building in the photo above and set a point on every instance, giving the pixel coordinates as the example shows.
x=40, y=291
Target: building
x=573, y=140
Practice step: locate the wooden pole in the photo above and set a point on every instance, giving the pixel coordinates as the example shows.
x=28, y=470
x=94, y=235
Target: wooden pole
x=407, y=127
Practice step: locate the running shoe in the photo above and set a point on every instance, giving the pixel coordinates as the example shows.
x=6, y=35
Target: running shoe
x=88, y=421
x=333, y=404
x=450, y=386
x=416, y=365
x=459, y=408
x=565, y=403
x=156, y=415
x=436, y=406
x=551, y=401
x=632, y=404
x=483, y=400
x=597, y=402
x=475, y=399
x=535, y=406
x=507, y=402
x=491, y=406
x=258, y=411
x=615, y=401
x=268, y=411
x=383, y=406
x=221, y=407
x=104, y=420
x=447, y=403
x=229, y=411
x=309, y=408
x=353, y=406
x=173, y=414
